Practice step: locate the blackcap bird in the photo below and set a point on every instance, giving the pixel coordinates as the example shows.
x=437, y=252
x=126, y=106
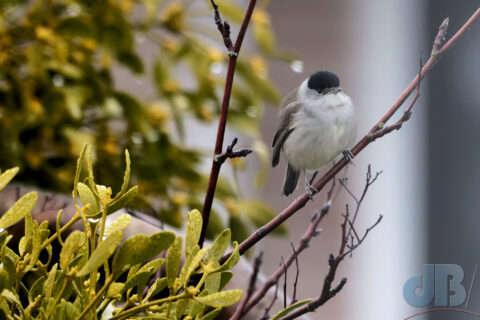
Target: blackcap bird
x=316, y=123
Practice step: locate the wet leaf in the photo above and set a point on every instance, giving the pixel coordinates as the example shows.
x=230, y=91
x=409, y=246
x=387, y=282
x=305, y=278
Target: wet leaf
x=194, y=228
x=123, y=201
x=118, y=224
x=88, y=198
x=219, y=246
x=173, y=261
x=7, y=176
x=101, y=254
x=71, y=248
x=232, y=260
x=290, y=308
x=18, y=211
x=221, y=299
x=140, y=248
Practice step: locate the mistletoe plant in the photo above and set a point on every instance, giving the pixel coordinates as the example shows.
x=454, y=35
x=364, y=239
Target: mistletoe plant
x=99, y=276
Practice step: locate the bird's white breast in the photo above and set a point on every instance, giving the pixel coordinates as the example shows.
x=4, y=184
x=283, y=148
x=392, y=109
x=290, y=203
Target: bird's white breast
x=323, y=128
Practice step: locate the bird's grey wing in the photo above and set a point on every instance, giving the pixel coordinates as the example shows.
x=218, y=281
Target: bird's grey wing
x=284, y=129
x=284, y=116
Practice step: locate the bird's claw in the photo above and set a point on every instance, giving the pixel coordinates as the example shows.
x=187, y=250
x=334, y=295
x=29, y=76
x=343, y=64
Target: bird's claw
x=310, y=190
x=349, y=156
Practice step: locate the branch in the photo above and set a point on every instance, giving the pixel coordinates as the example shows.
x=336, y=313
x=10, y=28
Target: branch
x=232, y=154
x=300, y=202
x=303, y=244
x=251, y=287
x=222, y=121
x=345, y=249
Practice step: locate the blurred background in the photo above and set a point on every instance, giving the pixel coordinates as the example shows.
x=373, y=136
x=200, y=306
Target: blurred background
x=120, y=74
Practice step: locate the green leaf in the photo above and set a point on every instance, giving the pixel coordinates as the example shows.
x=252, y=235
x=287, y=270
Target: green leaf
x=173, y=261
x=87, y=197
x=7, y=176
x=212, y=314
x=232, y=260
x=71, y=248
x=194, y=228
x=180, y=307
x=36, y=244
x=212, y=283
x=126, y=176
x=140, y=279
x=74, y=27
x=123, y=201
x=21, y=208
x=50, y=282
x=3, y=279
x=226, y=277
x=194, y=264
x=221, y=299
x=290, y=308
x=219, y=246
x=157, y=287
x=153, y=265
x=36, y=289
x=101, y=254
x=131, y=61
x=118, y=224
x=140, y=248
x=195, y=307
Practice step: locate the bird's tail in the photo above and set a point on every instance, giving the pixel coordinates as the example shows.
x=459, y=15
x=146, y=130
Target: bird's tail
x=291, y=180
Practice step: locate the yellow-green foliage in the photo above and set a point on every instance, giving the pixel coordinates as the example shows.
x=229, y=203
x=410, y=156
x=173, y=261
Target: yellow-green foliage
x=57, y=92
x=90, y=278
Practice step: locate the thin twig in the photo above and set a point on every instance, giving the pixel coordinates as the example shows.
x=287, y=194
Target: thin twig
x=300, y=202
x=294, y=296
x=269, y=307
x=222, y=121
x=303, y=244
x=251, y=287
x=284, y=284
x=229, y=153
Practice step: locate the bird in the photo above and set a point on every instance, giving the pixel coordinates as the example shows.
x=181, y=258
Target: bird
x=316, y=123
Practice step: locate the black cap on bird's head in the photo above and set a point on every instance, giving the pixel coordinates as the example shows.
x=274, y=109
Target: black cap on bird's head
x=323, y=80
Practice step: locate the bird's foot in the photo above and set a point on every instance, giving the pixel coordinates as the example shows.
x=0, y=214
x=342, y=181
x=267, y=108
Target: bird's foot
x=310, y=190
x=349, y=156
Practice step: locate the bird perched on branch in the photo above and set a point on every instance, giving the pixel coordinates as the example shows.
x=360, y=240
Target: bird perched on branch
x=316, y=123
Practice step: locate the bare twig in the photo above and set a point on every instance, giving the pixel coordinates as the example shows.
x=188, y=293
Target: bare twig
x=285, y=269
x=269, y=307
x=222, y=26
x=251, y=287
x=300, y=202
x=311, y=232
x=229, y=153
x=345, y=249
x=222, y=121
x=294, y=296
x=406, y=115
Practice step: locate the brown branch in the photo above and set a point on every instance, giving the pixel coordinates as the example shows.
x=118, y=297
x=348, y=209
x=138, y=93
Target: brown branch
x=294, y=296
x=345, y=249
x=229, y=153
x=406, y=115
x=269, y=307
x=223, y=27
x=222, y=121
x=300, y=202
x=303, y=244
x=251, y=287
